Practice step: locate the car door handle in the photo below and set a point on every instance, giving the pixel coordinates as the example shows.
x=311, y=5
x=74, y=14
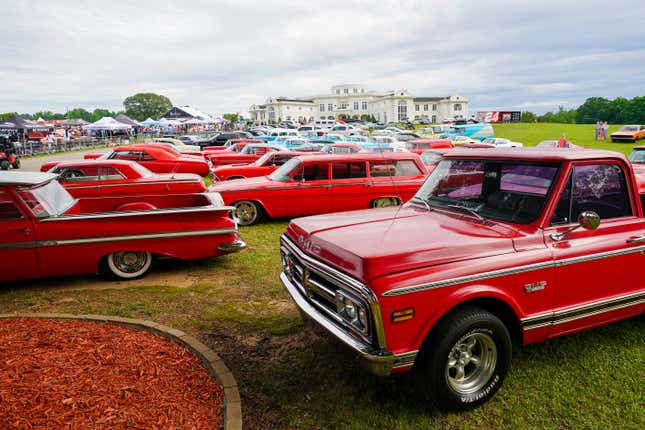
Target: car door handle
x=636, y=239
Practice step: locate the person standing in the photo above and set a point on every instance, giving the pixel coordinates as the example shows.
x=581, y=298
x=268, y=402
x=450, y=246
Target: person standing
x=562, y=143
x=598, y=127
x=605, y=130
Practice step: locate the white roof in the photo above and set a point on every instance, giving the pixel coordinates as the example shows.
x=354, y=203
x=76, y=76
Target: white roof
x=107, y=123
x=24, y=178
x=194, y=112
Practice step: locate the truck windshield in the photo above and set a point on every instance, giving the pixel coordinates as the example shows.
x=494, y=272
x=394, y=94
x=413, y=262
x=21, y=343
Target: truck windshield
x=514, y=192
x=46, y=200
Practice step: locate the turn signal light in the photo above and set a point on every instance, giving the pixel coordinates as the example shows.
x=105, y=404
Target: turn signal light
x=402, y=315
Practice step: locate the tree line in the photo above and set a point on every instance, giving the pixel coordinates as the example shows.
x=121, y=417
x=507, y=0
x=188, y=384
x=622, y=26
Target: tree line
x=617, y=111
x=139, y=107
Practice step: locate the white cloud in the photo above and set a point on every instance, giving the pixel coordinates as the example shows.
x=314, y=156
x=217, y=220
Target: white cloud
x=225, y=55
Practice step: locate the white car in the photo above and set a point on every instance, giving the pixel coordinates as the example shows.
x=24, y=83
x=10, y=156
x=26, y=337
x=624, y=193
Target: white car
x=344, y=129
x=500, y=142
x=178, y=144
x=396, y=145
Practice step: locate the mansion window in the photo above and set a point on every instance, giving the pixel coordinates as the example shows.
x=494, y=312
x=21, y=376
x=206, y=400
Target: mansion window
x=425, y=108
x=355, y=90
x=417, y=108
x=364, y=105
x=355, y=103
x=458, y=107
x=330, y=107
x=434, y=107
x=342, y=105
x=403, y=110
x=322, y=107
x=346, y=90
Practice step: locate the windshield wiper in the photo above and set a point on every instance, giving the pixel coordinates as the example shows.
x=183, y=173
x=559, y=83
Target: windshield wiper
x=469, y=210
x=424, y=201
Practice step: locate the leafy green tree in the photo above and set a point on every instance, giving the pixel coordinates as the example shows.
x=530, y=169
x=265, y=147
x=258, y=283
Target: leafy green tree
x=528, y=117
x=79, y=113
x=146, y=105
x=99, y=113
x=594, y=109
x=5, y=116
x=233, y=117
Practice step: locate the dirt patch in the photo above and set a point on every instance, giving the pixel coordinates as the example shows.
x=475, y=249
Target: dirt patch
x=79, y=374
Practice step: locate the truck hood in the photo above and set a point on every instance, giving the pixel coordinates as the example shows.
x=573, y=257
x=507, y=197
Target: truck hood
x=371, y=243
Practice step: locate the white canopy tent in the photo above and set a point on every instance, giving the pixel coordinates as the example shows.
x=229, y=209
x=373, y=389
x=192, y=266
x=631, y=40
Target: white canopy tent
x=108, y=124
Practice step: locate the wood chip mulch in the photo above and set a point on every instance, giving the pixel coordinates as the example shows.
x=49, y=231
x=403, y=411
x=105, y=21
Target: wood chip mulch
x=91, y=375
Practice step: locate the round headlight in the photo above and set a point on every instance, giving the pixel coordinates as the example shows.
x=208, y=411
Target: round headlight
x=362, y=317
x=350, y=308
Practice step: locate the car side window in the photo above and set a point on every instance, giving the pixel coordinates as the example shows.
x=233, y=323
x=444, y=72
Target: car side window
x=340, y=170
x=313, y=172
x=144, y=156
x=111, y=174
x=8, y=209
x=597, y=187
x=78, y=174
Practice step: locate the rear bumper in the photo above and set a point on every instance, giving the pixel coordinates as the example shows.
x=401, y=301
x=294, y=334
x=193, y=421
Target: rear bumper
x=376, y=361
x=235, y=246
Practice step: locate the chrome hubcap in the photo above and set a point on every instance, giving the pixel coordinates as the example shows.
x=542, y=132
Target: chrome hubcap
x=471, y=363
x=245, y=213
x=130, y=261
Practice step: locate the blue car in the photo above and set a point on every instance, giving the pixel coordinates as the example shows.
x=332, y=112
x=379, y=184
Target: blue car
x=474, y=131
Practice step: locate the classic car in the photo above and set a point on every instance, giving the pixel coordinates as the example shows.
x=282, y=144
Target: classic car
x=379, y=143
x=235, y=144
x=462, y=140
x=278, y=132
x=156, y=158
x=499, y=142
x=420, y=145
x=339, y=148
x=94, y=178
x=261, y=167
x=178, y=144
x=406, y=136
x=427, y=132
x=637, y=158
x=325, y=183
x=248, y=154
x=46, y=232
x=497, y=248
x=628, y=133
x=474, y=131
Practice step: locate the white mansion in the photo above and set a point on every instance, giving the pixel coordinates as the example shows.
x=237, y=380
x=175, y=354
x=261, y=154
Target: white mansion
x=356, y=101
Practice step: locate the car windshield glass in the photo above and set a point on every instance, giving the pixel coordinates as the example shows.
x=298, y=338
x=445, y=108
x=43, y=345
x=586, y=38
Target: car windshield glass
x=514, y=192
x=263, y=159
x=629, y=128
x=144, y=172
x=46, y=200
x=283, y=173
x=431, y=157
x=637, y=156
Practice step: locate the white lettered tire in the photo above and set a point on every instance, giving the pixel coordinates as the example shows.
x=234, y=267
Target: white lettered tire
x=129, y=264
x=467, y=358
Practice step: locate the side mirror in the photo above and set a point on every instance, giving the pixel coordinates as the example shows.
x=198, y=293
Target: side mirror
x=589, y=220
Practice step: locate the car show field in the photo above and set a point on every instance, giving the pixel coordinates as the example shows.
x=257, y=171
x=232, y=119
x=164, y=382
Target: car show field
x=293, y=375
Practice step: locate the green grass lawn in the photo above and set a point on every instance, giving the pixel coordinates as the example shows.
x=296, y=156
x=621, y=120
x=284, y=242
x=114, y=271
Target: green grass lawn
x=292, y=376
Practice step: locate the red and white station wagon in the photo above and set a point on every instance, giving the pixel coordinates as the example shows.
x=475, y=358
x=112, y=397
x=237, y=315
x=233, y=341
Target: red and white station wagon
x=504, y=247
x=318, y=184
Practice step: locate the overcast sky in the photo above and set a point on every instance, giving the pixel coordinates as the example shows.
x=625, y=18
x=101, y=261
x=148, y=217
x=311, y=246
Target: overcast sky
x=223, y=56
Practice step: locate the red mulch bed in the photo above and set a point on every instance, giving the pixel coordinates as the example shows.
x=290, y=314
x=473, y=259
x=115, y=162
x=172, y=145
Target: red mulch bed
x=90, y=375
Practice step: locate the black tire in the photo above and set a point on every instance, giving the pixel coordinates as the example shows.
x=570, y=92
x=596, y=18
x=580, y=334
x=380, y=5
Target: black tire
x=4, y=165
x=247, y=212
x=126, y=265
x=16, y=164
x=467, y=358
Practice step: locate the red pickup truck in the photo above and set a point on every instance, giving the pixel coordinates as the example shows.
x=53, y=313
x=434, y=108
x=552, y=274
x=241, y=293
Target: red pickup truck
x=497, y=249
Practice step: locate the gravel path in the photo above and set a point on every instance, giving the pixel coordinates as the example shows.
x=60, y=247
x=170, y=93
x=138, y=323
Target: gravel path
x=32, y=164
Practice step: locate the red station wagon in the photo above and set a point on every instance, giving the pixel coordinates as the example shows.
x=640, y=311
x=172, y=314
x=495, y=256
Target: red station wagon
x=261, y=167
x=318, y=184
x=496, y=249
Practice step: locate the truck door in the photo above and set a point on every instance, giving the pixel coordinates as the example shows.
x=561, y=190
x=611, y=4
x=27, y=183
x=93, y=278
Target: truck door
x=598, y=275
x=17, y=246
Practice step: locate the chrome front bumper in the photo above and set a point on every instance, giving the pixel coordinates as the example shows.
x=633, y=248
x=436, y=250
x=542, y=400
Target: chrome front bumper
x=235, y=246
x=377, y=362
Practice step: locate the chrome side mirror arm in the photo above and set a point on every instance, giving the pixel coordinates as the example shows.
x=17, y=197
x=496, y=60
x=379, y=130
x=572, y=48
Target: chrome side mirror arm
x=589, y=220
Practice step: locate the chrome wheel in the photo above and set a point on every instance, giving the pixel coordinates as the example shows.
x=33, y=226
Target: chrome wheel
x=385, y=202
x=129, y=264
x=471, y=363
x=246, y=213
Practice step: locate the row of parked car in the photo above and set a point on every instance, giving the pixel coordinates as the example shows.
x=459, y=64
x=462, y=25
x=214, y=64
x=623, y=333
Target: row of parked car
x=479, y=258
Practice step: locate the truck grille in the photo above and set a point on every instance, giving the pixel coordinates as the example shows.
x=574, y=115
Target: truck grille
x=321, y=290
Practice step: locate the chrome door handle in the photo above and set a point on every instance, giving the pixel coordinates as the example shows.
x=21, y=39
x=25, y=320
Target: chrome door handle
x=25, y=230
x=636, y=239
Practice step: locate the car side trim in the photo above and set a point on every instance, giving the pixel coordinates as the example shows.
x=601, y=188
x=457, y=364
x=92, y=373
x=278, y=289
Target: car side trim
x=511, y=271
x=583, y=311
x=136, y=213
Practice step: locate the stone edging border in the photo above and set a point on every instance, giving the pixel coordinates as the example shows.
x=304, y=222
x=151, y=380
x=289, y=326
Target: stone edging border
x=214, y=364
